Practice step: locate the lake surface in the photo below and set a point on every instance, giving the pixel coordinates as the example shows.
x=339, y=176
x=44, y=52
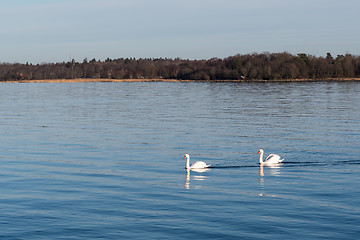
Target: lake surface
x=105, y=160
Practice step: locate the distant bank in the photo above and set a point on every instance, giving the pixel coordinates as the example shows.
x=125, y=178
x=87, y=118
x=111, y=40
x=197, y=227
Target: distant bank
x=92, y=80
x=268, y=66
x=171, y=80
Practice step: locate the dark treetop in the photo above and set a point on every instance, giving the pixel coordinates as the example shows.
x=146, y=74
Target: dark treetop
x=264, y=66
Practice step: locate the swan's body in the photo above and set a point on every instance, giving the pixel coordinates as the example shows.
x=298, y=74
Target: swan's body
x=271, y=159
x=196, y=165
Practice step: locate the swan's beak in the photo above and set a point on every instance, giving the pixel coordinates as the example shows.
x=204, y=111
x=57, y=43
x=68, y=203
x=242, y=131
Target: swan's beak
x=258, y=152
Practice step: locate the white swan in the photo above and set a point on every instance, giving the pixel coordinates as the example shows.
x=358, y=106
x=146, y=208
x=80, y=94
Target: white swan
x=271, y=159
x=196, y=165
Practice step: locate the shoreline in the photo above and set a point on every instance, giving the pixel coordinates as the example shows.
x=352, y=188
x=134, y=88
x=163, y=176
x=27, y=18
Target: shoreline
x=174, y=80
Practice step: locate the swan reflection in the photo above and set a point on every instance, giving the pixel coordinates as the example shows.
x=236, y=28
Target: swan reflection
x=274, y=170
x=194, y=177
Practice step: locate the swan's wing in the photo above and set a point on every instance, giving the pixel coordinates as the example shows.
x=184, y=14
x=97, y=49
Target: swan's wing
x=273, y=158
x=199, y=164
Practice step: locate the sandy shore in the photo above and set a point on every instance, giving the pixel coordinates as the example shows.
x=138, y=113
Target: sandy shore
x=170, y=80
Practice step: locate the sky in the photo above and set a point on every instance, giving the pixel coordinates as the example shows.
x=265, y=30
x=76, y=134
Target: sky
x=49, y=31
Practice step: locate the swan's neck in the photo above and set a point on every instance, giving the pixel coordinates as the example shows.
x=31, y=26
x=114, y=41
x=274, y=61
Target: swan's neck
x=187, y=162
x=261, y=157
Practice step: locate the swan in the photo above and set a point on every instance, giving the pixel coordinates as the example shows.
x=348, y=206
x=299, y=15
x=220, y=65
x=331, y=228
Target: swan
x=271, y=159
x=196, y=165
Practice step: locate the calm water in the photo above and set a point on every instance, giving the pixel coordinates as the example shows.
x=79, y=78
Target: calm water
x=105, y=160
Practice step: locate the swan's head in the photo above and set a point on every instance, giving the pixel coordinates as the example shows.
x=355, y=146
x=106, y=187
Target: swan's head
x=260, y=151
x=186, y=156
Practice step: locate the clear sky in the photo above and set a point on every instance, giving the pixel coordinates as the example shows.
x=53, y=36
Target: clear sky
x=38, y=31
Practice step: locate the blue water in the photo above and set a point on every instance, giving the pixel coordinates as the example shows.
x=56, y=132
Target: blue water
x=105, y=160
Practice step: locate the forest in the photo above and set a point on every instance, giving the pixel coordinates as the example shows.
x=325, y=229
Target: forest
x=256, y=66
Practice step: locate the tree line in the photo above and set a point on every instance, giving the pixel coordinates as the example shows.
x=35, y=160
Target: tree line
x=259, y=66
